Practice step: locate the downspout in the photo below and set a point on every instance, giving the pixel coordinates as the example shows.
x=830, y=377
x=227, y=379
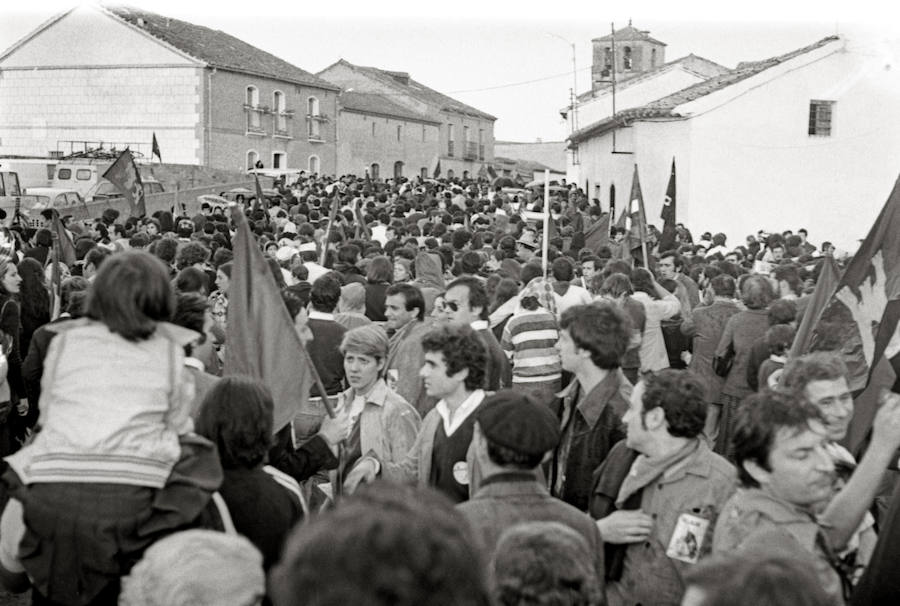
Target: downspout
x=209, y=75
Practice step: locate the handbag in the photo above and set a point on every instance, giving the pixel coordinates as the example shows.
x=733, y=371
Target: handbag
x=722, y=364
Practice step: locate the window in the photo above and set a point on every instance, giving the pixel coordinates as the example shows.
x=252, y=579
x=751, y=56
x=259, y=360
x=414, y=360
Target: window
x=652, y=57
x=280, y=117
x=313, y=164
x=465, y=175
x=252, y=159
x=423, y=173
x=399, y=131
x=83, y=174
x=450, y=174
x=64, y=174
x=607, y=61
x=398, y=169
x=252, y=106
x=465, y=134
x=449, y=139
x=820, y=113
x=626, y=58
x=312, y=118
x=481, y=144
x=278, y=160
x=374, y=170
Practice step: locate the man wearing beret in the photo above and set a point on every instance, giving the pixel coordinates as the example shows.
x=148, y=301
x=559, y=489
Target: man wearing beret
x=512, y=435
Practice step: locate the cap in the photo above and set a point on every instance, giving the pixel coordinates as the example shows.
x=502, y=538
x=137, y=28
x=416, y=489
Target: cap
x=307, y=247
x=516, y=421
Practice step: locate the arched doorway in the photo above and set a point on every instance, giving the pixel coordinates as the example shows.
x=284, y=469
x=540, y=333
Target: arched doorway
x=398, y=169
x=374, y=170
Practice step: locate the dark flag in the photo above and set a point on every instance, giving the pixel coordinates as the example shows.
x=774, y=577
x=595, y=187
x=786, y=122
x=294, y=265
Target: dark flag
x=860, y=320
x=437, y=170
x=262, y=341
x=492, y=172
x=667, y=239
x=597, y=235
x=124, y=174
x=155, y=149
x=829, y=277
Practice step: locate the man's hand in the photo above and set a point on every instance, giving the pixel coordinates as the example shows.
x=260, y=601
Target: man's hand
x=886, y=426
x=336, y=430
x=625, y=527
x=364, y=472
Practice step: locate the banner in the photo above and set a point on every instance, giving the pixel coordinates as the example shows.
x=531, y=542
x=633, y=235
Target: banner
x=667, y=239
x=155, y=149
x=262, y=341
x=124, y=174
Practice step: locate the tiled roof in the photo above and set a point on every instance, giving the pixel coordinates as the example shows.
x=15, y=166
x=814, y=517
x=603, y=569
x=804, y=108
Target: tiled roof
x=217, y=48
x=373, y=103
x=662, y=108
x=402, y=82
x=692, y=63
x=629, y=33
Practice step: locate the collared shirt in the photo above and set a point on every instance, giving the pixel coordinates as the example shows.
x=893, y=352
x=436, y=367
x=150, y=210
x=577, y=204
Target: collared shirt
x=465, y=409
x=480, y=325
x=318, y=315
x=755, y=520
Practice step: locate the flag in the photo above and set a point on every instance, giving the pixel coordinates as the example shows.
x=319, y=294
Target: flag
x=262, y=341
x=124, y=174
x=361, y=227
x=62, y=238
x=492, y=172
x=667, y=239
x=482, y=172
x=155, y=149
x=860, y=320
x=261, y=201
x=633, y=219
x=829, y=276
x=597, y=235
x=437, y=170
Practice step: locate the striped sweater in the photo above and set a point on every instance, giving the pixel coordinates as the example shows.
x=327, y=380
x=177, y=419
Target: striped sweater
x=529, y=339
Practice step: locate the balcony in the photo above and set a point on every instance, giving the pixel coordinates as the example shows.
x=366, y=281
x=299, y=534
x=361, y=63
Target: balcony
x=470, y=152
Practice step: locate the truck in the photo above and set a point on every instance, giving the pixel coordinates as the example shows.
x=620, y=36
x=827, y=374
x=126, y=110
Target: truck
x=13, y=200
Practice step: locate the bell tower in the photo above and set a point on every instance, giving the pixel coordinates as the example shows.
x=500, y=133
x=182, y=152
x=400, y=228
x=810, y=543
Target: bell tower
x=633, y=51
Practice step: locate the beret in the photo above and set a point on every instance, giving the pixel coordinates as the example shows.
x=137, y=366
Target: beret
x=516, y=421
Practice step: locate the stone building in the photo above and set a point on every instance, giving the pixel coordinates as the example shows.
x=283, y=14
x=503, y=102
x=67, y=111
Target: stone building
x=465, y=141
x=116, y=75
x=384, y=138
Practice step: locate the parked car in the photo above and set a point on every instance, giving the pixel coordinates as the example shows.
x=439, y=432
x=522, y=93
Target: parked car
x=105, y=190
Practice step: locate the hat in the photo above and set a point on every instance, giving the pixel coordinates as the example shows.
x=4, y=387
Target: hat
x=285, y=253
x=516, y=421
x=307, y=247
x=527, y=239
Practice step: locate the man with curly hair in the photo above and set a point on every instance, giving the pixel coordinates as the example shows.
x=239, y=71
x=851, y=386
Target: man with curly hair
x=660, y=491
x=453, y=373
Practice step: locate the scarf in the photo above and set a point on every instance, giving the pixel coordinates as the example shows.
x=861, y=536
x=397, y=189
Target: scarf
x=645, y=470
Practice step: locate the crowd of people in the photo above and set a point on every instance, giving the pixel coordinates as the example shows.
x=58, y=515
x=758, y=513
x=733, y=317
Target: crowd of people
x=593, y=427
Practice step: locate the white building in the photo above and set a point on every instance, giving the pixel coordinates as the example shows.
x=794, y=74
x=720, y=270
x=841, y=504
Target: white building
x=806, y=139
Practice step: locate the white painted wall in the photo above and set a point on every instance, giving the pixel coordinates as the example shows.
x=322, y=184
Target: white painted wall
x=89, y=36
x=766, y=172
x=636, y=94
x=745, y=161
x=70, y=82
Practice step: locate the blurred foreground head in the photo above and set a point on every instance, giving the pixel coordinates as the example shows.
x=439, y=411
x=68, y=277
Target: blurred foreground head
x=388, y=544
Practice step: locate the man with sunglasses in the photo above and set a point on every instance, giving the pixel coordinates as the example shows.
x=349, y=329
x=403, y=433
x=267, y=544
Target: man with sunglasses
x=466, y=303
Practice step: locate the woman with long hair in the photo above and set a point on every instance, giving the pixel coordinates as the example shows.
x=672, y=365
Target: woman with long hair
x=378, y=278
x=12, y=398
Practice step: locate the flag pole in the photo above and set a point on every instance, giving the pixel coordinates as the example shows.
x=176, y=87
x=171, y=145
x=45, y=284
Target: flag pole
x=56, y=276
x=545, y=250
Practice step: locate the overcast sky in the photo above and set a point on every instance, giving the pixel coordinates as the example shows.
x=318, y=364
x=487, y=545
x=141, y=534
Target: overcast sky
x=504, y=58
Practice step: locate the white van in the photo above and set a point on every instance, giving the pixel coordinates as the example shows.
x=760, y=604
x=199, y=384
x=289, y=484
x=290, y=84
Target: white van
x=81, y=176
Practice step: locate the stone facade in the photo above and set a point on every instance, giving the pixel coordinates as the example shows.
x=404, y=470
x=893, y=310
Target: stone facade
x=465, y=139
x=240, y=134
x=366, y=139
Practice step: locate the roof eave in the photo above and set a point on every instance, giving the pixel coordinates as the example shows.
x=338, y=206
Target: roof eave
x=388, y=115
x=249, y=72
